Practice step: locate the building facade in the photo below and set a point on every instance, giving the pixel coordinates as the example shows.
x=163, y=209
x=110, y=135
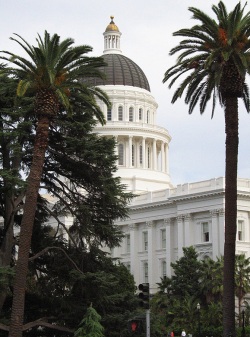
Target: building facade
x=163, y=218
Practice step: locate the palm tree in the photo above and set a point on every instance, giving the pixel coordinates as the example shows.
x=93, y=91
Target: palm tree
x=211, y=279
x=242, y=279
x=214, y=57
x=53, y=73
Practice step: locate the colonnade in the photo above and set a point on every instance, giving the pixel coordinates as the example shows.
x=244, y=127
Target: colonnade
x=143, y=152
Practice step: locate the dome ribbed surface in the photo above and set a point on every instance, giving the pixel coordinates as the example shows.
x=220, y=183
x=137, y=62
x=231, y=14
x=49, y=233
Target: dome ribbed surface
x=120, y=70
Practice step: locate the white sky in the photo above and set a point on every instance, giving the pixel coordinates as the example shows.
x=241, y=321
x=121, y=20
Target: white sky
x=197, y=149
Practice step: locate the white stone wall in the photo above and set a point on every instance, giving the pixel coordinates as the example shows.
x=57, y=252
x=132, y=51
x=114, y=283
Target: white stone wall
x=182, y=213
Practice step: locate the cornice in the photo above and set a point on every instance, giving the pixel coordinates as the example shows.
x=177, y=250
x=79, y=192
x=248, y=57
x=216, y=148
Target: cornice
x=175, y=199
x=130, y=128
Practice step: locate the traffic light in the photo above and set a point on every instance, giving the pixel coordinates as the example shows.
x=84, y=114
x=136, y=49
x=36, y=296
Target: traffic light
x=135, y=325
x=144, y=295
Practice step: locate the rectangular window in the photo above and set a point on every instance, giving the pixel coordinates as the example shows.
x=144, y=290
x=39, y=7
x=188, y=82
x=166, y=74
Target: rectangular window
x=120, y=154
x=205, y=232
x=127, y=237
x=145, y=272
x=109, y=115
x=163, y=239
x=163, y=269
x=240, y=229
x=145, y=241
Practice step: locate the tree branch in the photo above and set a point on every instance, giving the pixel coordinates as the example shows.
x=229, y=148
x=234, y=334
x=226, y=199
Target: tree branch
x=45, y=250
x=39, y=322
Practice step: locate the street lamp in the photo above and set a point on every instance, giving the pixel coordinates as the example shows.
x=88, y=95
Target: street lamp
x=199, y=319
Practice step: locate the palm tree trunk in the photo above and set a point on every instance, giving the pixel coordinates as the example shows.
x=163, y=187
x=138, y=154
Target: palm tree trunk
x=232, y=140
x=33, y=185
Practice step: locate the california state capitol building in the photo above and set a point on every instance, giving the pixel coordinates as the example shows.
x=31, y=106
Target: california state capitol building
x=163, y=218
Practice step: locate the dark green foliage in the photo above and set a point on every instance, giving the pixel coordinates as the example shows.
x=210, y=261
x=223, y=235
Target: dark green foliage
x=90, y=326
x=185, y=280
x=78, y=174
x=172, y=309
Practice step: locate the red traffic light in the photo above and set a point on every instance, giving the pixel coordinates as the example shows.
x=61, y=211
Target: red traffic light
x=134, y=325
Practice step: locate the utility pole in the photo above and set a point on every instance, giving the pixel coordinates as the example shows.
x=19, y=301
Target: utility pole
x=148, y=323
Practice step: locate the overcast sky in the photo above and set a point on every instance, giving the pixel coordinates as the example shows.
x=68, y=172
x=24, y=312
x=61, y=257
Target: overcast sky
x=197, y=149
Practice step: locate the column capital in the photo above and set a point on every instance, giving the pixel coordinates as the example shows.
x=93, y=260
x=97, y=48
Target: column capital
x=133, y=226
x=187, y=217
x=149, y=224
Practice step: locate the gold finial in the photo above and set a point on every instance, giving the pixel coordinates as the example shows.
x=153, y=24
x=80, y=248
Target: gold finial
x=112, y=25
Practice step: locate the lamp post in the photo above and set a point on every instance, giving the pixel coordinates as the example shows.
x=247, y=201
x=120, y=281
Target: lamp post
x=199, y=319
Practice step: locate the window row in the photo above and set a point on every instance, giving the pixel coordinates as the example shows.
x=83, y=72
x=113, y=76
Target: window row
x=163, y=241
x=205, y=236
x=131, y=115
x=206, y=231
x=163, y=269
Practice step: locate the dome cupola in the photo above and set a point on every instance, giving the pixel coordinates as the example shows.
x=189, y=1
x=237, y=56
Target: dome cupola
x=141, y=145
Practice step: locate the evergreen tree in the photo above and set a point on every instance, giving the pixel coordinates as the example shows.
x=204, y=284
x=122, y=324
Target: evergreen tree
x=187, y=273
x=90, y=326
x=78, y=178
x=51, y=288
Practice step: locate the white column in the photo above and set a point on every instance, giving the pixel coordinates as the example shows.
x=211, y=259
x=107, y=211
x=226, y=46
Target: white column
x=137, y=143
x=180, y=235
x=154, y=166
x=214, y=234
x=221, y=237
x=163, y=161
x=187, y=230
x=168, y=246
x=130, y=151
x=151, y=259
x=143, y=152
x=116, y=149
x=166, y=159
x=114, y=112
x=134, y=263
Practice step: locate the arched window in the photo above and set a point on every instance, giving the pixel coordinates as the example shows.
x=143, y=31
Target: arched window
x=109, y=114
x=120, y=154
x=148, y=116
x=140, y=114
x=131, y=114
x=120, y=113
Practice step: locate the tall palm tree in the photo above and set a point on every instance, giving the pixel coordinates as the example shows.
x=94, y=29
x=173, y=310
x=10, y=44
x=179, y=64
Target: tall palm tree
x=214, y=58
x=53, y=73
